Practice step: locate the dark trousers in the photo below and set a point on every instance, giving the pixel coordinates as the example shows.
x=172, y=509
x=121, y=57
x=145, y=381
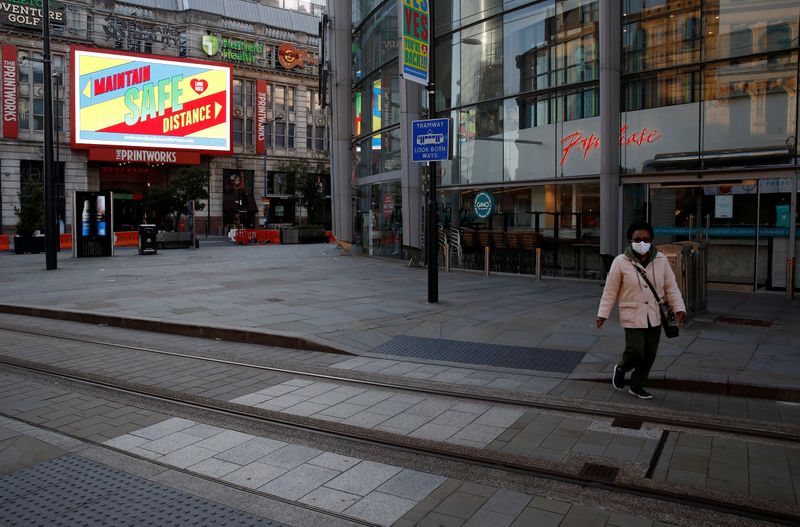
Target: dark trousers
x=641, y=346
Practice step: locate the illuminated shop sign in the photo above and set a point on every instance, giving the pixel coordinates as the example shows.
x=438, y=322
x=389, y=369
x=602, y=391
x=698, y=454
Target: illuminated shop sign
x=143, y=156
x=28, y=13
x=376, y=113
x=416, y=52
x=134, y=100
x=579, y=142
x=290, y=57
x=232, y=50
x=261, y=115
x=8, y=88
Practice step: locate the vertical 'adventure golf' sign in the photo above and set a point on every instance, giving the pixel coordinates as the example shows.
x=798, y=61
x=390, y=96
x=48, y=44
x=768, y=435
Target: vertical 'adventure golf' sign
x=416, y=30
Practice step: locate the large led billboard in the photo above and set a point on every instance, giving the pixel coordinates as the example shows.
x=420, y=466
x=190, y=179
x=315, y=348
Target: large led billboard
x=130, y=99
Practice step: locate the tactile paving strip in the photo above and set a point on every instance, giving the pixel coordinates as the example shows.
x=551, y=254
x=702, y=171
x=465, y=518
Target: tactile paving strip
x=70, y=491
x=561, y=361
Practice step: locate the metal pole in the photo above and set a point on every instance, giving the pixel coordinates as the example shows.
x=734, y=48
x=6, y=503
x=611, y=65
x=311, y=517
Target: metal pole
x=791, y=245
x=50, y=225
x=433, y=221
x=266, y=166
x=56, y=113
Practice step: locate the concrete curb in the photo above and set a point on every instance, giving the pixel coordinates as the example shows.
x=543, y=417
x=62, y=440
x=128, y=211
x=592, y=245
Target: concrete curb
x=278, y=339
x=727, y=388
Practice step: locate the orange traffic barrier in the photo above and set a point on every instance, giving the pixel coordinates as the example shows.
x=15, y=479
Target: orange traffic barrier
x=256, y=236
x=65, y=241
x=126, y=239
x=4, y=242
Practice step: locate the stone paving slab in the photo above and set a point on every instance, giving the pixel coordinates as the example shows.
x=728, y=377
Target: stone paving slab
x=472, y=308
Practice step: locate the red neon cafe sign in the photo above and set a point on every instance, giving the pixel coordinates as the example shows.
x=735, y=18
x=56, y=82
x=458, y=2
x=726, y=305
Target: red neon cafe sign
x=586, y=144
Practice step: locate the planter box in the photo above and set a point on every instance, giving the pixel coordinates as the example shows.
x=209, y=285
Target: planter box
x=174, y=240
x=29, y=244
x=312, y=236
x=290, y=236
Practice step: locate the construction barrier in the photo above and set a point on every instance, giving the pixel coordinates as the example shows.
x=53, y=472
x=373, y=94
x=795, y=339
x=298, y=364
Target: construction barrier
x=126, y=239
x=330, y=236
x=256, y=236
x=65, y=241
x=4, y=243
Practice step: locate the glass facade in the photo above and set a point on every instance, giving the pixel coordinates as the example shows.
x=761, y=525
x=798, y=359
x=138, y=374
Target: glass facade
x=707, y=88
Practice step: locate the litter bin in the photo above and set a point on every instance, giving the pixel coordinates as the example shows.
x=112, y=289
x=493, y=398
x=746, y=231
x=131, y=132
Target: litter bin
x=147, y=239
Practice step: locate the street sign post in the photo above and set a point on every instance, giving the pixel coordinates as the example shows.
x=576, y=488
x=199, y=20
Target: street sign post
x=430, y=140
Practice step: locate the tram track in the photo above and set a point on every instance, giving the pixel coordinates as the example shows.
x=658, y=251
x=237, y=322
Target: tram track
x=442, y=451
x=747, y=428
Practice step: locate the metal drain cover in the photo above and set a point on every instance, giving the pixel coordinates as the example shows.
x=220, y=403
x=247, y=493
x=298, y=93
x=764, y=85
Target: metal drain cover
x=561, y=361
x=597, y=472
x=70, y=490
x=744, y=321
x=623, y=422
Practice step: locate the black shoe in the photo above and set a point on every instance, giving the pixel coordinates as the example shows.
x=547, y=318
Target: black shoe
x=618, y=380
x=641, y=393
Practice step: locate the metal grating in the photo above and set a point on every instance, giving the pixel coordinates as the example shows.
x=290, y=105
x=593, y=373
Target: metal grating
x=623, y=422
x=744, y=321
x=561, y=361
x=73, y=491
x=597, y=472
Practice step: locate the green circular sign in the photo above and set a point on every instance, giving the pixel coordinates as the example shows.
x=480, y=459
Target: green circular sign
x=483, y=205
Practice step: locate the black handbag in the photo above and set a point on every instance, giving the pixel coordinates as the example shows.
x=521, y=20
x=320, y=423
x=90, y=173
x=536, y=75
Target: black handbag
x=668, y=319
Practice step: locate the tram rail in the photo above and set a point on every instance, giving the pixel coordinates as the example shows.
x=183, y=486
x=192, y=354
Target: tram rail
x=443, y=451
x=747, y=428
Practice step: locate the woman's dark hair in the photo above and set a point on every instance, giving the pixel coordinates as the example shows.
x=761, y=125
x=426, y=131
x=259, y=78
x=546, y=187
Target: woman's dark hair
x=641, y=226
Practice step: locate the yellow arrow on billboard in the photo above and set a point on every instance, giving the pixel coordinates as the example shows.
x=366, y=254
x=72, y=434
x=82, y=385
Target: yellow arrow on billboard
x=87, y=91
x=217, y=109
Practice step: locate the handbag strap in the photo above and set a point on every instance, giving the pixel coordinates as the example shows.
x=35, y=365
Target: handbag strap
x=643, y=274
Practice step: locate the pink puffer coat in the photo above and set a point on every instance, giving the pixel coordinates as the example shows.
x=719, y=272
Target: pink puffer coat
x=637, y=304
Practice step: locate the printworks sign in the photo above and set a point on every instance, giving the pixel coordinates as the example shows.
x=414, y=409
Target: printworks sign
x=28, y=13
x=8, y=88
x=232, y=50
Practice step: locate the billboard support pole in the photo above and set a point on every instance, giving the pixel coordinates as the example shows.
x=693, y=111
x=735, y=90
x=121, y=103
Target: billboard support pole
x=50, y=224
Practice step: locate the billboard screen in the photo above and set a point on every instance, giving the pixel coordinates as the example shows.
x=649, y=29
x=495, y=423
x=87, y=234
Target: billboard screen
x=130, y=99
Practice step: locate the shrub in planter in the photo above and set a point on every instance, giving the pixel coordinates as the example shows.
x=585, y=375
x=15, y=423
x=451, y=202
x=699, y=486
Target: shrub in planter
x=30, y=215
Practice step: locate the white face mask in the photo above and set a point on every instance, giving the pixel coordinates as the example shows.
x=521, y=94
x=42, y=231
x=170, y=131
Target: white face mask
x=641, y=247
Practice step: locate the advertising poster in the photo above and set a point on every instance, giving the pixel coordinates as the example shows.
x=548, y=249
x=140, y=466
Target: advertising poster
x=93, y=232
x=130, y=99
x=723, y=206
x=416, y=30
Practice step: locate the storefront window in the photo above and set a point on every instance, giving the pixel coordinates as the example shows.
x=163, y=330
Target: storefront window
x=379, y=219
x=735, y=29
x=750, y=104
x=376, y=42
x=482, y=61
x=376, y=101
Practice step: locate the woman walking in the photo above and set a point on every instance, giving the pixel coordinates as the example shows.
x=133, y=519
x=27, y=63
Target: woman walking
x=639, y=313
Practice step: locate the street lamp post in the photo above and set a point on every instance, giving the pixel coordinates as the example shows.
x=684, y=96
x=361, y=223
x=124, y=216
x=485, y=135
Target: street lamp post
x=50, y=227
x=57, y=132
x=266, y=162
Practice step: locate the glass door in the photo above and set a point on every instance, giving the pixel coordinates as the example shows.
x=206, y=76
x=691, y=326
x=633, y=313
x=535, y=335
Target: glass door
x=723, y=218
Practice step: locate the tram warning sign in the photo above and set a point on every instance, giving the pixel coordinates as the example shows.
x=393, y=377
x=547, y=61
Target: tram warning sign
x=430, y=140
